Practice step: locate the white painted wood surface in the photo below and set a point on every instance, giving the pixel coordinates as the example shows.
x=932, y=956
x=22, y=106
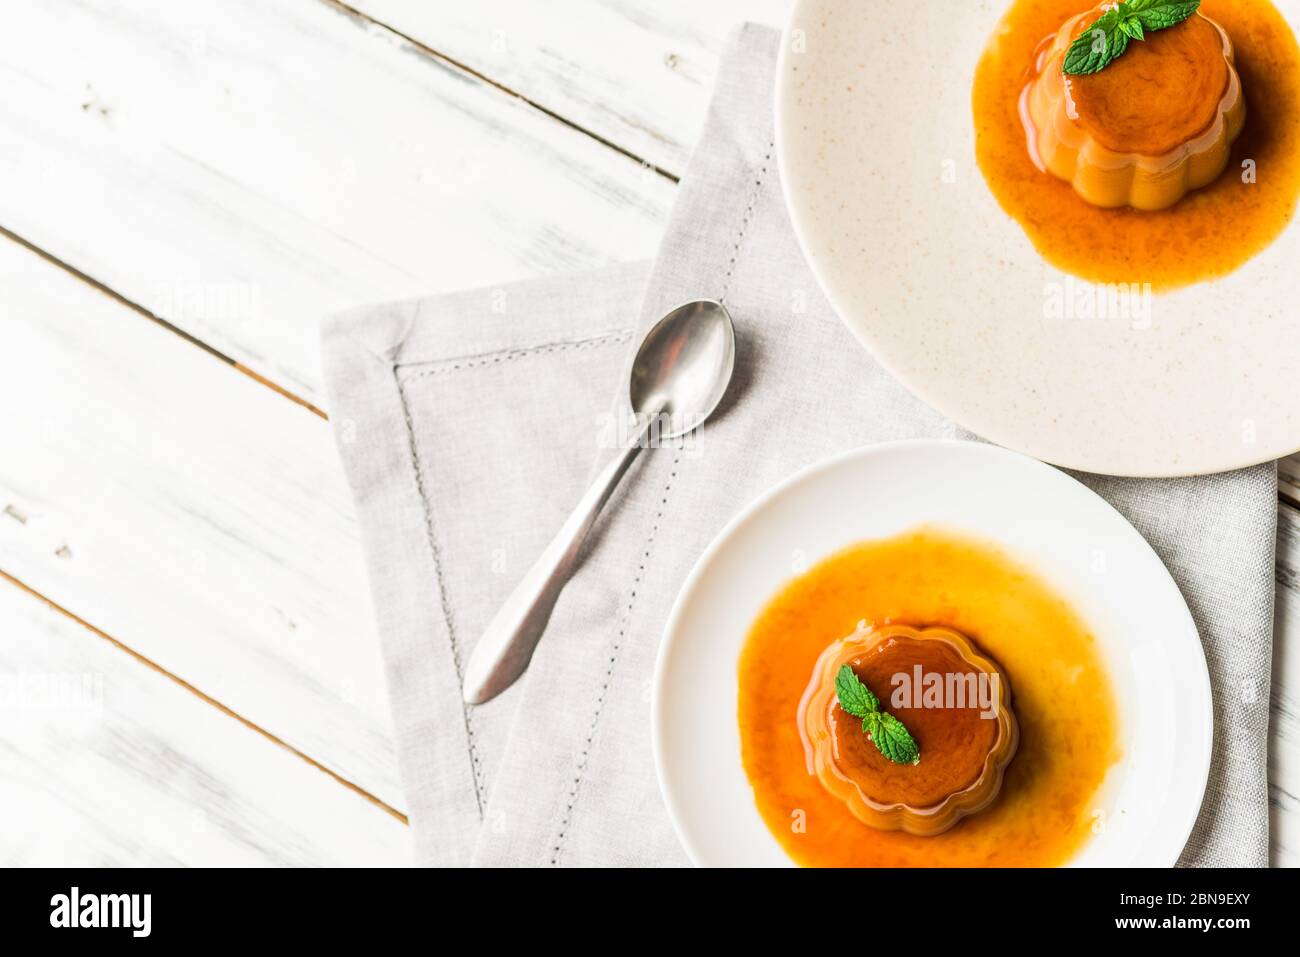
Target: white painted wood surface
x=243, y=168
x=188, y=510
x=239, y=170
x=636, y=75
x=106, y=762
x=1284, y=741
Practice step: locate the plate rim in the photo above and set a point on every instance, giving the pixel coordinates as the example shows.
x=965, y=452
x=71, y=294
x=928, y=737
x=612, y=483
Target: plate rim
x=1204, y=689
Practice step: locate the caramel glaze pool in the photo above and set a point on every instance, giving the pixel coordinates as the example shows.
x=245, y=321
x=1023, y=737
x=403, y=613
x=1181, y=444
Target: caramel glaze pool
x=1209, y=232
x=1046, y=808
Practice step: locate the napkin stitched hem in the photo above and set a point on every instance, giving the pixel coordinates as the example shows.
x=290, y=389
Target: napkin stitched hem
x=431, y=532
x=371, y=355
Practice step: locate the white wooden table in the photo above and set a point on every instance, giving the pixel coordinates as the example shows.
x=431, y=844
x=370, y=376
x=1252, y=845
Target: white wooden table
x=188, y=669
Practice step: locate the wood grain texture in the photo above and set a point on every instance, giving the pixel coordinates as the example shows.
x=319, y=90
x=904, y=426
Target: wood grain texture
x=105, y=763
x=190, y=512
x=637, y=75
x=1288, y=479
x=242, y=169
x=1284, y=733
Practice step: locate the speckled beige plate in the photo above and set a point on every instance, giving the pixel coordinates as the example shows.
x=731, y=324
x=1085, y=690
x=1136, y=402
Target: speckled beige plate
x=877, y=153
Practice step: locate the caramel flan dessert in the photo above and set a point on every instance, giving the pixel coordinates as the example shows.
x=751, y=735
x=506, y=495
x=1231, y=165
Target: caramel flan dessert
x=953, y=704
x=899, y=743
x=1156, y=123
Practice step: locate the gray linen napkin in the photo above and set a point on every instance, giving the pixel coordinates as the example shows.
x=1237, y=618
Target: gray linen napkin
x=469, y=424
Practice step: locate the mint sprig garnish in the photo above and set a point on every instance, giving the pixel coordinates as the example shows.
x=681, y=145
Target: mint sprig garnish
x=855, y=697
x=1107, y=39
x=888, y=734
x=894, y=740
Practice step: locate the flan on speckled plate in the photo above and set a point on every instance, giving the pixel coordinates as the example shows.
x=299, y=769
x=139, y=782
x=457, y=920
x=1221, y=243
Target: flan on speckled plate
x=1096, y=269
x=1155, y=124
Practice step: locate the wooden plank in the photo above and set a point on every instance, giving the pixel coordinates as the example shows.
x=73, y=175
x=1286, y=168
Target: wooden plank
x=106, y=763
x=1284, y=743
x=635, y=75
x=1288, y=479
x=241, y=169
x=190, y=512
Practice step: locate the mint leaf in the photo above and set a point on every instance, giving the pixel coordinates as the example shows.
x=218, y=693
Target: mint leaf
x=1096, y=47
x=855, y=697
x=1161, y=14
x=894, y=741
x=886, y=731
x=1107, y=39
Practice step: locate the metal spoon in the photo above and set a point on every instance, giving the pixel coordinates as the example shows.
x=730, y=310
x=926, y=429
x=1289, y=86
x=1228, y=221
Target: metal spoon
x=678, y=377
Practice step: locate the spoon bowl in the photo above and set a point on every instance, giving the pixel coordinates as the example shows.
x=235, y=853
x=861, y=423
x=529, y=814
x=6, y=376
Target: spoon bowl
x=683, y=366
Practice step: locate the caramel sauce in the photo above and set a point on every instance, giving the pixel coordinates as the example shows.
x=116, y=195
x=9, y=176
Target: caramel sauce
x=1209, y=232
x=1062, y=700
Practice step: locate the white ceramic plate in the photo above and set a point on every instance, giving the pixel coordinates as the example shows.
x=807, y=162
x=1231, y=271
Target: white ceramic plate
x=873, y=107
x=1037, y=514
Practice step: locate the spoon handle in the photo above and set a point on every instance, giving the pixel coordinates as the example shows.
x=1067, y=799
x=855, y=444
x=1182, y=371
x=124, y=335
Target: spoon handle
x=506, y=645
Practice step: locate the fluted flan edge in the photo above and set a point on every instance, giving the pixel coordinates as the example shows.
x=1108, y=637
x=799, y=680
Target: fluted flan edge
x=1105, y=177
x=819, y=700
